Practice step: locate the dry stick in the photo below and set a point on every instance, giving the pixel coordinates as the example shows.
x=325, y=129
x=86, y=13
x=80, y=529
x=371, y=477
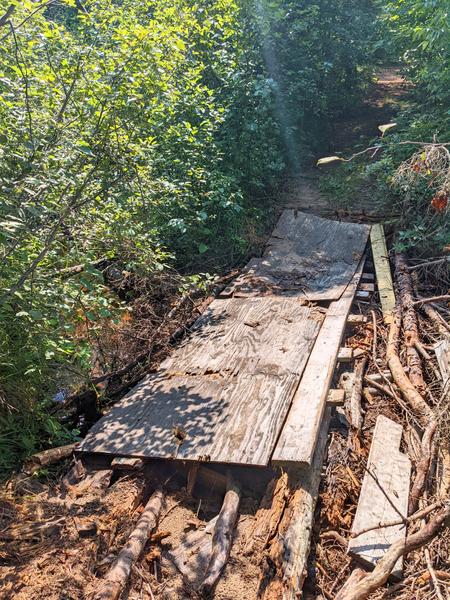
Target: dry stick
x=415, y=399
x=444, y=297
x=432, y=313
x=389, y=392
x=422, y=469
x=117, y=577
x=410, y=325
x=419, y=406
x=417, y=515
x=372, y=581
x=223, y=536
x=429, y=263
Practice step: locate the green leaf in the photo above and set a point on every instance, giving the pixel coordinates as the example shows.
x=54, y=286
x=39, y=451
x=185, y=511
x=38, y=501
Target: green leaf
x=202, y=248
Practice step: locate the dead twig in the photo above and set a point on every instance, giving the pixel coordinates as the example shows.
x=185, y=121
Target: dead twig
x=420, y=514
x=444, y=297
x=367, y=584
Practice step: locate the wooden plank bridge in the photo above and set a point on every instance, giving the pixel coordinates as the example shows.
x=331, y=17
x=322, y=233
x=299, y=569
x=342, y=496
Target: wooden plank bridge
x=249, y=383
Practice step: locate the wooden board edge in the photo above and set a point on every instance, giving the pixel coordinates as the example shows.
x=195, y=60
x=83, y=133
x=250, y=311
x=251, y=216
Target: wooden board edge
x=346, y=302
x=383, y=271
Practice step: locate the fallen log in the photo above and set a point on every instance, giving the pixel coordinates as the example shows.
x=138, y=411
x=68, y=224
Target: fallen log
x=268, y=516
x=223, y=536
x=47, y=457
x=408, y=390
x=410, y=325
x=284, y=567
x=359, y=590
x=117, y=577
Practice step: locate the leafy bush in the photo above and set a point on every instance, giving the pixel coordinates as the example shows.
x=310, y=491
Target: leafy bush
x=144, y=133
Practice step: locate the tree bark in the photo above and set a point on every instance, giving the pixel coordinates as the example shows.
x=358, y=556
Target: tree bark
x=223, y=536
x=362, y=589
x=117, y=577
x=48, y=457
x=356, y=416
x=410, y=326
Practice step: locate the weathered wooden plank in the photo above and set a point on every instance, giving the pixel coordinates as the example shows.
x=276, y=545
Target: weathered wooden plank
x=367, y=287
x=336, y=397
x=306, y=256
x=356, y=320
x=125, y=463
x=254, y=335
x=383, y=271
x=289, y=548
x=442, y=350
x=345, y=354
x=235, y=420
x=384, y=495
x=298, y=437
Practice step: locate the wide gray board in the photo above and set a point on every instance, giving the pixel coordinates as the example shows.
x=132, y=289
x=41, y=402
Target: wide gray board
x=306, y=256
x=228, y=387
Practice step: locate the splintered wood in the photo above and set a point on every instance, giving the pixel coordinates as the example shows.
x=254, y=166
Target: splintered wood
x=289, y=547
x=383, y=498
x=308, y=256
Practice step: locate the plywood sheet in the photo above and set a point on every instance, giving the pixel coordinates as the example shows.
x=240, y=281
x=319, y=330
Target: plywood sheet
x=384, y=496
x=254, y=335
x=229, y=420
x=299, y=435
x=306, y=256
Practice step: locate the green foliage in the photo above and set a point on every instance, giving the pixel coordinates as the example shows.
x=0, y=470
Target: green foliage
x=145, y=132
x=422, y=31
x=420, y=38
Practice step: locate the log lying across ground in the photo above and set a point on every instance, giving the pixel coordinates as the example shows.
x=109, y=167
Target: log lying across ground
x=284, y=568
x=223, y=536
x=410, y=324
x=117, y=577
x=48, y=457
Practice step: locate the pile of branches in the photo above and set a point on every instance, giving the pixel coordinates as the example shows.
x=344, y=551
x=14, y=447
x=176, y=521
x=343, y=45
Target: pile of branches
x=410, y=388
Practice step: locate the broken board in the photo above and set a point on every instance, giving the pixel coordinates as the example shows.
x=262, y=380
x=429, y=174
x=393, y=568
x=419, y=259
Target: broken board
x=306, y=256
x=298, y=437
x=224, y=395
x=254, y=335
x=442, y=350
x=384, y=496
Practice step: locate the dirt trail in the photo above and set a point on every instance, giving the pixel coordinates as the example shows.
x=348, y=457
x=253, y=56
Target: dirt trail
x=353, y=131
